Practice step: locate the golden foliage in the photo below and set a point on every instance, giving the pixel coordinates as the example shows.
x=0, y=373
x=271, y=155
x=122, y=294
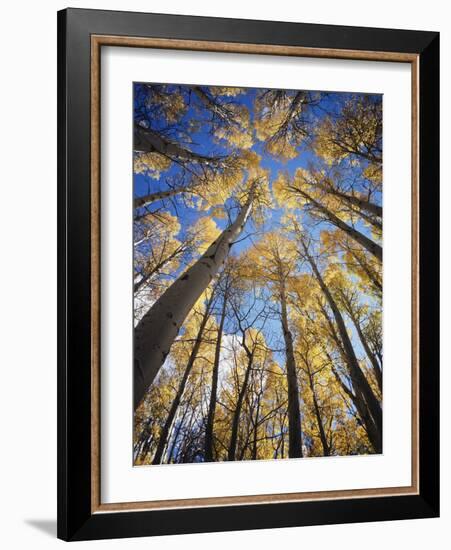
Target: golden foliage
x=151, y=164
x=269, y=273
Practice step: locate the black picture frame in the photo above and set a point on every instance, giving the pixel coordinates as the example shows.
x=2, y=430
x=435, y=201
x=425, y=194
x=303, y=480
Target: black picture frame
x=75, y=518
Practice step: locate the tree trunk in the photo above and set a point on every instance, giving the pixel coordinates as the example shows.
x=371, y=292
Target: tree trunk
x=356, y=397
x=239, y=404
x=157, y=330
x=358, y=378
x=294, y=414
x=148, y=141
x=292, y=112
x=372, y=247
x=175, y=436
x=366, y=347
x=362, y=204
x=370, y=273
x=319, y=420
x=145, y=200
x=343, y=386
x=208, y=445
x=255, y=435
x=143, y=441
x=176, y=402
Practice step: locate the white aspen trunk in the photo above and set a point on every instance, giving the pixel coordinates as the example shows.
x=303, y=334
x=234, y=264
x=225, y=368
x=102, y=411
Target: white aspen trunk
x=370, y=207
x=363, y=204
x=148, y=141
x=372, y=247
x=145, y=200
x=157, y=330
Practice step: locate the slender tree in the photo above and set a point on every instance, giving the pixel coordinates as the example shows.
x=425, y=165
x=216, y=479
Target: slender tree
x=164, y=434
x=360, y=382
x=208, y=450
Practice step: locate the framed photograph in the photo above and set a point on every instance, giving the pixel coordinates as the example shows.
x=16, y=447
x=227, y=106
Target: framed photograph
x=248, y=274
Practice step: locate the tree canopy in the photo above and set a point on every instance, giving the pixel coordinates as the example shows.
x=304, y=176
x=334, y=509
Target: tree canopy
x=257, y=273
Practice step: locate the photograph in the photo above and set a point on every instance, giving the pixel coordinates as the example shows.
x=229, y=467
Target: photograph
x=248, y=272
x=257, y=273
